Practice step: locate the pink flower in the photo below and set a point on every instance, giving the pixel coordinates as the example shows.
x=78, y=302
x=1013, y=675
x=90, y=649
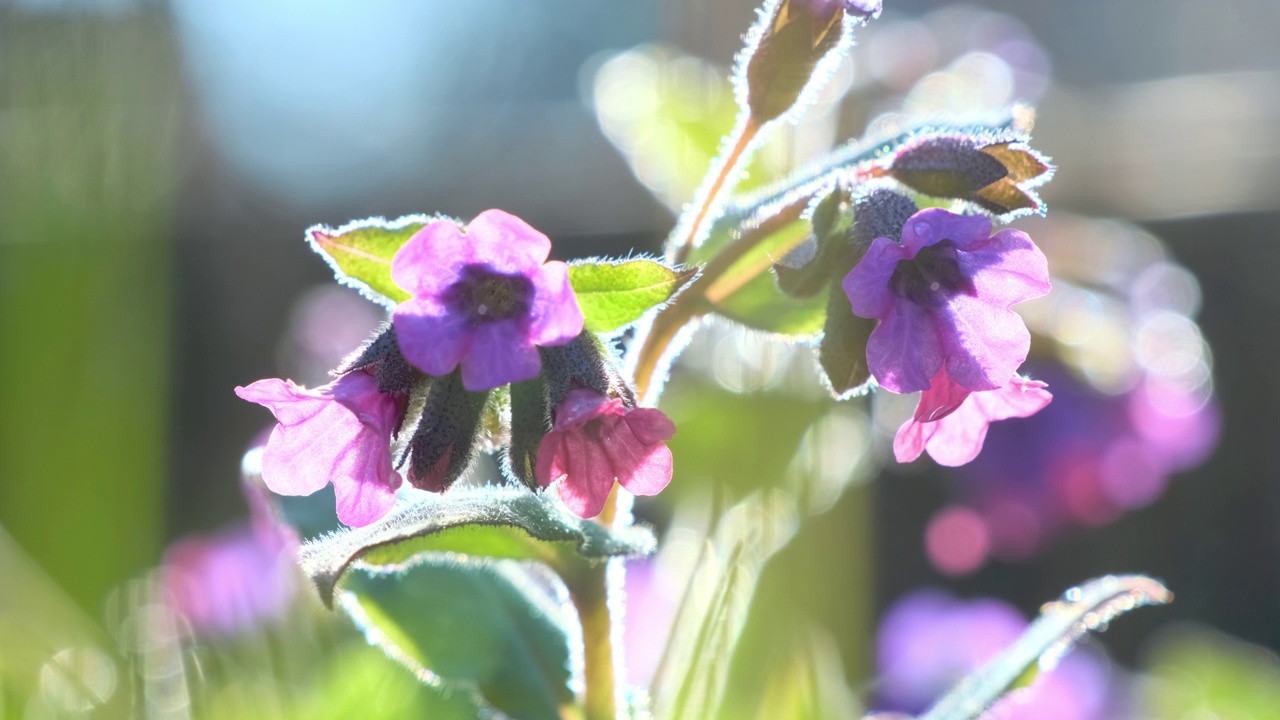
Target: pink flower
x=484, y=298
x=942, y=298
x=339, y=433
x=595, y=441
x=235, y=580
x=951, y=422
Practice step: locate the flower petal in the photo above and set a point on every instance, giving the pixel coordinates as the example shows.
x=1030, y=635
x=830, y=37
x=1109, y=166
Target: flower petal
x=867, y=285
x=650, y=425
x=428, y=263
x=984, y=343
x=587, y=485
x=499, y=354
x=506, y=243
x=431, y=338
x=933, y=225
x=942, y=398
x=554, y=317
x=911, y=438
x=1006, y=268
x=904, y=351
x=551, y=465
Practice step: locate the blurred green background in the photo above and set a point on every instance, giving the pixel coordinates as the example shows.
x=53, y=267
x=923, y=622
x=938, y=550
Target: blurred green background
x=159, y=161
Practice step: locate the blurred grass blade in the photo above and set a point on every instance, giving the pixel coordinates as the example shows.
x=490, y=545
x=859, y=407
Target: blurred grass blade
x=361, y=251
x=1088, y=607
x=468, y=628
x=487, y=523
x=695, y=667
x=615, y=294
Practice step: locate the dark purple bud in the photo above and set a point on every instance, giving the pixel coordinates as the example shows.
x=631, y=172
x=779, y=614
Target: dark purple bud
x=992, y=175
x=444, y=441
x=381, y=357
x=530, y=422
x=582, y=363
x=794, y=40
x=879, y=213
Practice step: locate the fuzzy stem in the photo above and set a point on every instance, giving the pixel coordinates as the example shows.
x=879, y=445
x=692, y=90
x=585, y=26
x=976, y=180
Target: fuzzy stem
x=709, y=197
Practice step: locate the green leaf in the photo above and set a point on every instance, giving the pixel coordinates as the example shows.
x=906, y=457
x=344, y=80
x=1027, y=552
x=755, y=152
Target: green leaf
x=1088, y=607
x=748, y=293
x=483, y=523
x=357, y=683
x=463, y=626
x=613, y=295
x=360, y=253
x=695, y=666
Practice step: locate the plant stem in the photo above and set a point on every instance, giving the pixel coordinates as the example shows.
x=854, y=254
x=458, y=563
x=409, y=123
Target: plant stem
x=589, y=590
x=686, y=237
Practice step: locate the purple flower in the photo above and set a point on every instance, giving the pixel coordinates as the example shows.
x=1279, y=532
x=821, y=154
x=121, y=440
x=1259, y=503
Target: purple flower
x=233, y=581
x=942, y=298
x=951, y=422
x=928, y=641
x=339, y=433
x=595, y=441
x=484, y=298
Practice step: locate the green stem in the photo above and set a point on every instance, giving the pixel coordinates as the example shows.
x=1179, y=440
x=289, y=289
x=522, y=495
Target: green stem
x=589, y=591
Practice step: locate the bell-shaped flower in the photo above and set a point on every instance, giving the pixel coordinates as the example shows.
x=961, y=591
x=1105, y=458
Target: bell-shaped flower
x=942, y=298
x=596, y=440
x=484, y=298
x=339, y=433
x=951, y=422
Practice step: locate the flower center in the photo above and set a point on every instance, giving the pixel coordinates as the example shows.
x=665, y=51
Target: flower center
x=932, y=277
x=487, y=296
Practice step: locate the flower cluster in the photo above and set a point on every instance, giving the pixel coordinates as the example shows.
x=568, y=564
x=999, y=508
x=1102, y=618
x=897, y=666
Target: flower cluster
x=487, y=310
x=923, y=305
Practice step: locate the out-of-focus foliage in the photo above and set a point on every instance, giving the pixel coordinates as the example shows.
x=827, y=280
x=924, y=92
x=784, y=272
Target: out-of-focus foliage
x=1192, y=672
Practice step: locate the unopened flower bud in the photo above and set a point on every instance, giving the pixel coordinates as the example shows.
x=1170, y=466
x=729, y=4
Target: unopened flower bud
x=798, y=36
x=381, y=358
x=444, y=442
x=993, y=175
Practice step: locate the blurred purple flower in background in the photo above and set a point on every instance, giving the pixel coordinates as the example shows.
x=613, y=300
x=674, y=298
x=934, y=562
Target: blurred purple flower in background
x=929, y=640
x=1085, y=460
x=949, y=278
x=237, y=579
x=339, y=433
x=485, y=299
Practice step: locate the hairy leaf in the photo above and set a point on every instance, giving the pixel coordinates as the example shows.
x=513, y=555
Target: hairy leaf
x=482, y=523
x=360, y=253
x=615, y=294
x=1088, y=607
x=468, y=627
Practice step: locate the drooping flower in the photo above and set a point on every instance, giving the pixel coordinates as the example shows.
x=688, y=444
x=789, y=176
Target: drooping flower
x=929, y=640
x=596, y=440
x=339, y=433
x=942, y=298
x=951, y=422
x=484, y=298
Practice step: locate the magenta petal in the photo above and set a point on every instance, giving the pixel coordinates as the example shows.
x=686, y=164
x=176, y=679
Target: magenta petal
x=499, y=354
x=650, y=425
x=1006, y=269
x=911, y=438
x=959, y=437
x=428, y=263
x=366, y=500
x=506, y=243
x=590, y=479
x=904, y=352
x=867, y=285
x=1020, y=398
x=550, y=465
x=942, y=398
x=932, y=226
x=431, y=338
x=555, y=317
x=652, y=475
x=298, y=462
x=984, y=343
